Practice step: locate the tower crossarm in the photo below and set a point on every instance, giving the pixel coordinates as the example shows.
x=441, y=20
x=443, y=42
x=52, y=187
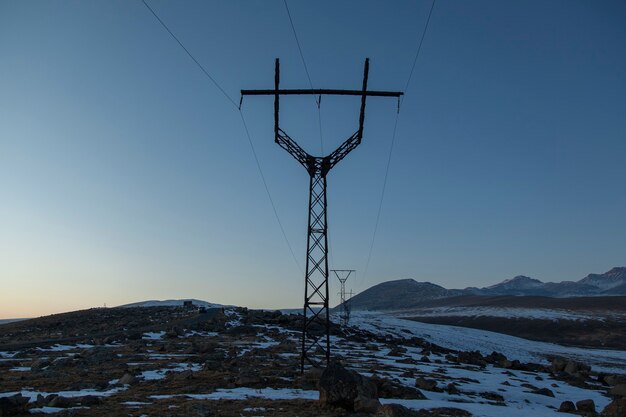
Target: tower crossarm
x=284, y=141
x=344, y=149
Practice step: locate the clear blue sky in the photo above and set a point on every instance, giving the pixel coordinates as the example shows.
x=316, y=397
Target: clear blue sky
x=126, y=175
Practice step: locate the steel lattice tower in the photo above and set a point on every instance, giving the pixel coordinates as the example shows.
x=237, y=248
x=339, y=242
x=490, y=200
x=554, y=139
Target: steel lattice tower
x=343, y=275
x=316, y=326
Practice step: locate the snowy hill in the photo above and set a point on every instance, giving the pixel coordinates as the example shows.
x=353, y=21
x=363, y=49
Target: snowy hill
x=399, y=294
x=171, y=303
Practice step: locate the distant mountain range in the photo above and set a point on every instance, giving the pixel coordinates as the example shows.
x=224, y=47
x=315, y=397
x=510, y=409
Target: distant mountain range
x=408, y=293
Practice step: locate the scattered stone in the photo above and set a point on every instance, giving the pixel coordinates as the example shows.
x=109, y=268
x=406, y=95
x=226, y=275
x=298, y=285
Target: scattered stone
x=200, y=410
x=617, y=408
x=395, y=410
x=544, y=391
x=13, y=406
x=340, y=387
x=39, y=364
x=613, y=379
x=89, y=400
x=426, y=384
x=388, y=388
x=127, y=379
x=472, y=358
x=586, y=406
x=558, y=364
x=58, y=401
x=567, y=407
x=248, y=378
x=452, y=389
x=492, y=396
x=618, y=391
x=396, y=351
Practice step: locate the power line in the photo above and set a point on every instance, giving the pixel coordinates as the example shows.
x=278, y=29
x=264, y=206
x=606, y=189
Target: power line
x=295, y=35
x=393, y=140
x=419, y=48
x=306, y=69
x=190, y=55
x=243, y=120
x=318, y=100
x=280, y=224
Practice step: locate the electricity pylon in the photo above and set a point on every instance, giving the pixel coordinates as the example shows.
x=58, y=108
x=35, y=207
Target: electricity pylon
x=342, y=275
x=315, y=326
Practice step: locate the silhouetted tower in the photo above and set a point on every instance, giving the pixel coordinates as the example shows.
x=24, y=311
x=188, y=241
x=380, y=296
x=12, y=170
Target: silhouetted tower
x=315, y=326
x=348, y=307
x=342, y=275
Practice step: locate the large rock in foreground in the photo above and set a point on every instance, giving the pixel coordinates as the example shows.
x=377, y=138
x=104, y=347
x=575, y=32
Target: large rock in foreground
x=340, y=387
x=13, y=406
x=616, y=409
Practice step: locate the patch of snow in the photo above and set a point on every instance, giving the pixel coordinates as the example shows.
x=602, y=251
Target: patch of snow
x=176, y=367
x=62, y=348
x=191, y=333
x=32, y=395
x=153, y=335
x=245, y=393
x=21, y=369
x=168, y=355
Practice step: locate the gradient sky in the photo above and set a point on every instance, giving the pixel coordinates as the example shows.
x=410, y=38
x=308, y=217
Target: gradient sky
x=126, y=175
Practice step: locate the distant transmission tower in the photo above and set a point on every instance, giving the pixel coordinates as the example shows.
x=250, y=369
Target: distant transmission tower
x=342, y=275
x=315, y=325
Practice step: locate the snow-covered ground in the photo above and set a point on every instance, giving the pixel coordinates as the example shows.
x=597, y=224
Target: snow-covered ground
x=461, y=338
x=506, y=312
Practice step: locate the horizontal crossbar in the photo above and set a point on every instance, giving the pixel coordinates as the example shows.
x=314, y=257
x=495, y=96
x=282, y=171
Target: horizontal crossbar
x=320, y=91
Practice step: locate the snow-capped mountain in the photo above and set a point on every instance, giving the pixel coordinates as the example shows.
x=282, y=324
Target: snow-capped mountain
x=611, y=279
x=408, y=293
x=591, y=285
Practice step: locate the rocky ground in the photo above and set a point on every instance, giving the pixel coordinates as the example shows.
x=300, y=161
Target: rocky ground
x=160, y=361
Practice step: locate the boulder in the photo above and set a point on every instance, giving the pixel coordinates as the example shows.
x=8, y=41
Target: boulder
x=471, y=358
x=618, y=390
x=248, y=378
x=614, y=379
x=127, y=379
x=89, y=400
x=452, y=389
x=388, y=388
x=395, y=410
x=426, y=384
x=558, y=364
x=58, y=401
x=544, y=391
x=39, y=364
x=396, y=351
x=615, y=409
x=567, y=407
x=586, y=406
x=340, y=387
x=577, y=369
x=13, y=406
